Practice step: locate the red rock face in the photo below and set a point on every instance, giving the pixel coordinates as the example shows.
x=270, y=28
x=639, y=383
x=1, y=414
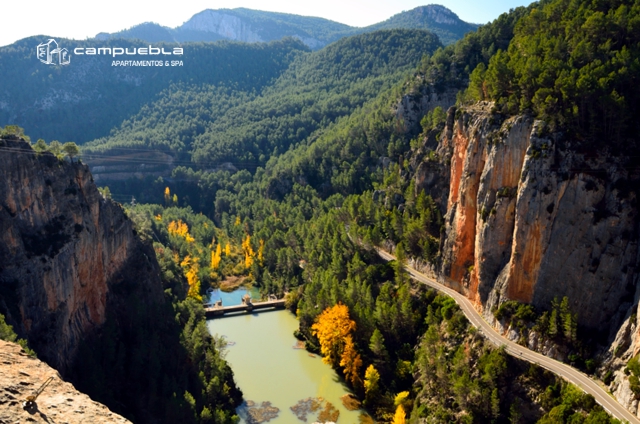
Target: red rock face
x=528, y=221
x=62, y=249
x=479, y=168
x=524, y=266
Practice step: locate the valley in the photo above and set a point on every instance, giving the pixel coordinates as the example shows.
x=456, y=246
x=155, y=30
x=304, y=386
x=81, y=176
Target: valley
x=451, y=220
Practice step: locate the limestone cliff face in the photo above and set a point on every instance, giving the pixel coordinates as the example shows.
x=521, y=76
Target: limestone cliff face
x=412, y=107
x=231, y=27
x=64, y=250
x=529, y=220
x=223, y=24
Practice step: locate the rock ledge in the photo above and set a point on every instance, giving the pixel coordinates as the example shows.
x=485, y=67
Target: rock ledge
x=60, y=402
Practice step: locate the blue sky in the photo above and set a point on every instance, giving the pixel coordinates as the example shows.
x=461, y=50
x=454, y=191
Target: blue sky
x=81, y=19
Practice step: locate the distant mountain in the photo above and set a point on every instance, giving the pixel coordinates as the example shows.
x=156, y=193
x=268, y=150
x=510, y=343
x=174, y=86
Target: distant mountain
x=435, y=18
x=49, y=100
x=257, y=26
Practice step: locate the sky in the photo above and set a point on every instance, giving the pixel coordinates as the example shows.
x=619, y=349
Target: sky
x=84, y=19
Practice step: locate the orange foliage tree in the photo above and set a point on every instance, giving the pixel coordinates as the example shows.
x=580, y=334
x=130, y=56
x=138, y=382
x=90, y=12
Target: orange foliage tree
x=351, y=362
x=334, y=330
x=400, y=416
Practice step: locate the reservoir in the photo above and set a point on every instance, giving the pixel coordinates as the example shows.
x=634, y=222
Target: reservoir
x=273, y=374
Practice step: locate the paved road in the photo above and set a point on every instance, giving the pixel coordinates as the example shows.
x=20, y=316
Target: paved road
x=563, y=370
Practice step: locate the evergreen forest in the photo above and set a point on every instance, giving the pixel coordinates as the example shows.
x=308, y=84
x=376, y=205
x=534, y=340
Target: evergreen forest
x=288, y=168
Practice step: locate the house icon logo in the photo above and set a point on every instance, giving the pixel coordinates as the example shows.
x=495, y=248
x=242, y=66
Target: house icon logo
x=50, y=54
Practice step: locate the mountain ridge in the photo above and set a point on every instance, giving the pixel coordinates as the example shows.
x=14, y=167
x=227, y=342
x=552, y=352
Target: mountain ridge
x=250, y=25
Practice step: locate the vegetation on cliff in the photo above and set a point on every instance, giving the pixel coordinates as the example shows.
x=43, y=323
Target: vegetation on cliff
x=145, y=354
x=7, y=334
x=106, y=95
x=574, y=65
x=210, y=125
x=327, y=169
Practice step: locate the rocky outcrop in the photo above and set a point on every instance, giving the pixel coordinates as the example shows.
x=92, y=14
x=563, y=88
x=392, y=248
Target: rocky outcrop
x=531, y=217
x=64, y=251
x=21, y=375
x=412, y=107
x=530, y=220
x=226, y=25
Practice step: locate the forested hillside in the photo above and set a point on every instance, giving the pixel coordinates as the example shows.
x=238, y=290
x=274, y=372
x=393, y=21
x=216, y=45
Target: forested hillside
x=461, y=159
x=435, y=18
x=575, y=66
x=49, y=99
x=212, y=126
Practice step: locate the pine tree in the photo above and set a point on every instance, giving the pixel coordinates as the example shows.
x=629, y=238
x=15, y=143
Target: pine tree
x=71, y=149
x=376, y=344
x=399, y=265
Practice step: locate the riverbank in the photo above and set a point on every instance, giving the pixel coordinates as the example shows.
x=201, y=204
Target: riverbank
x=268, y=368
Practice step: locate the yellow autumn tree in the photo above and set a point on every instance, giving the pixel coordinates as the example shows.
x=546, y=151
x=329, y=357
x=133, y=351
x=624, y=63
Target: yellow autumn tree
x=400, y=416
x=350, y=361
x=261, y=252
x=227, y=249
x=334, y=330
x=175, y=200
x=178, y=228
x=181, y=229
x=167, y=197
x=191, y=269
x=216, y=257
x=331, y=327
x=248, y=251
x=371, y=382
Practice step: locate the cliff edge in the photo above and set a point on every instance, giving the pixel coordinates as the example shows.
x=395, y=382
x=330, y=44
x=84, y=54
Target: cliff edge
x=21, y=375
x=64, y=250
x=531, y=219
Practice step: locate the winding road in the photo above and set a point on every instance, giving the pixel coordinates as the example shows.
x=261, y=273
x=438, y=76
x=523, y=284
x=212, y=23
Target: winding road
x=570, y=374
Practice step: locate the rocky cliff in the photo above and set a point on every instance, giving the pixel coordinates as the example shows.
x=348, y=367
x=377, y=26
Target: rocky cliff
x=21, y=375
x=529, y=219
x=532, y=217
x=64, y=250
x=86, y=292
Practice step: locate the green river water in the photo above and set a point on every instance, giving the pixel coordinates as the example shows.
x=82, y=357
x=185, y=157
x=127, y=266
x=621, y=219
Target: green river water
x=268, y=369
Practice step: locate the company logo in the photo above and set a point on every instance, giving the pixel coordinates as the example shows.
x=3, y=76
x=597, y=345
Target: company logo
x=50, y=54
x=119, y=51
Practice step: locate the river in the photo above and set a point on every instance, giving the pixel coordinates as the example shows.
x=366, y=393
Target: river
x=267, y=368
